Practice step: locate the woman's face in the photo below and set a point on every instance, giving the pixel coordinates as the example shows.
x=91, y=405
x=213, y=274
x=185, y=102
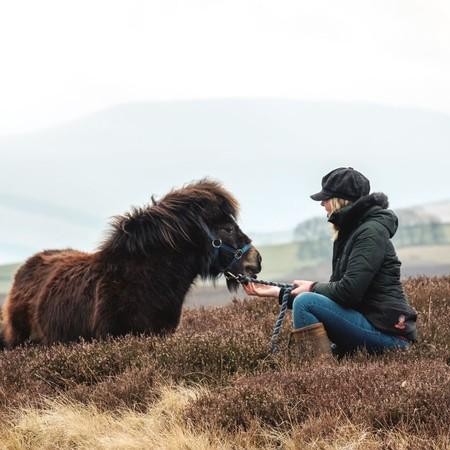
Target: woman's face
x=327, y=205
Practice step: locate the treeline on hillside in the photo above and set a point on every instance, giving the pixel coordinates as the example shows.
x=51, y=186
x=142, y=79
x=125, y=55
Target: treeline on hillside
x=313, y=237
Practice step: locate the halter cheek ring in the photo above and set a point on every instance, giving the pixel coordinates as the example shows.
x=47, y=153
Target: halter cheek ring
x=216, y=243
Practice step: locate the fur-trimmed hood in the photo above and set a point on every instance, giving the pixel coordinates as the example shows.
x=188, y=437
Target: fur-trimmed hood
x=369, y=207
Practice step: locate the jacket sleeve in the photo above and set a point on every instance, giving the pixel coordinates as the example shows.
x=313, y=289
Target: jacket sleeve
x=364, y=261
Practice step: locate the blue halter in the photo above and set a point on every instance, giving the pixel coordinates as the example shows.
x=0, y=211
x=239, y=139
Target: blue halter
x=217, y=244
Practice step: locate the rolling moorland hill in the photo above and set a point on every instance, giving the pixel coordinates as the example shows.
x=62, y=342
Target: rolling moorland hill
x=213, y=384
x=60, y=186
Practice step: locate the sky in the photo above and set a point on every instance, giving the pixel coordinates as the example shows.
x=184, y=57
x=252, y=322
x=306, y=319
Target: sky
x=64, y=59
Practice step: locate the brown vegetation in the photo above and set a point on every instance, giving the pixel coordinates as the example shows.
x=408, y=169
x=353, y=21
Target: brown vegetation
x=241, y=394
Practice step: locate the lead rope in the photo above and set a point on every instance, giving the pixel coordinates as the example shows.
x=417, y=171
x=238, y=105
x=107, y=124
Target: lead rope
x=284, y=304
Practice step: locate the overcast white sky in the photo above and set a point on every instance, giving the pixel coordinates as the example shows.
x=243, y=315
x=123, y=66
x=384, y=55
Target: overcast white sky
x=62, y=59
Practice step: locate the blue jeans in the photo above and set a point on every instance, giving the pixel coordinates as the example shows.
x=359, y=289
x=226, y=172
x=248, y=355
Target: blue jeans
x=346, y=328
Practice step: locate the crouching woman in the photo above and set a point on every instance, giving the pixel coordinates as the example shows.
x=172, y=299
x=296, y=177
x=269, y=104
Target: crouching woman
x=363, y=305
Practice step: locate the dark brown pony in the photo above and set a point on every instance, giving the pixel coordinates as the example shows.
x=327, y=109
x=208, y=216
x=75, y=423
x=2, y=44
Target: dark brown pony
x=137, y=280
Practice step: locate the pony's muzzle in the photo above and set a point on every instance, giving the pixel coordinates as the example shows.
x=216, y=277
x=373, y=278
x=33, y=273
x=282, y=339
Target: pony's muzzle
x=252, y=262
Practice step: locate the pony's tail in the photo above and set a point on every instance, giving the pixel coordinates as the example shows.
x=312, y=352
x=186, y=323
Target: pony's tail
x=2, y=332
x=2, y=341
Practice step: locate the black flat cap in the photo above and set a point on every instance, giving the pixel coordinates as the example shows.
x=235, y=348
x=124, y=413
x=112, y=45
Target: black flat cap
x=344, y=182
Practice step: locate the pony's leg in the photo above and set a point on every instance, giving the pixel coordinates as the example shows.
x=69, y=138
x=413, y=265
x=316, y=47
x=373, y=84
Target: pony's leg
x=16, y=325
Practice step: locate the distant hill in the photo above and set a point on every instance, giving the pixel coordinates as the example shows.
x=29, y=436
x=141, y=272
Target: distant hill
x=58, y=187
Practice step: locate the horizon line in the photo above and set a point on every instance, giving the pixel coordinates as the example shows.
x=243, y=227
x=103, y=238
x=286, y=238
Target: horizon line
x=112, y=106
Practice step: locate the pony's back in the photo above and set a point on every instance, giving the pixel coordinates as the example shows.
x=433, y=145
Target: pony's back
x=37, y=296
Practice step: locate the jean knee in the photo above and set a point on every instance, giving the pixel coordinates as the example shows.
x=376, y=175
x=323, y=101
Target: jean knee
x=304, y=300
x=302, y=310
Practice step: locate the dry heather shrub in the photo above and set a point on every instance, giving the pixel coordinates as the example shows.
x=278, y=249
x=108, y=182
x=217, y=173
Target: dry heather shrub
x=27, y=374
x=135, y=389
x=19, y=383
x=89, y=363
x=104, y=370
x=375, y=395
x=240, y=315
x=431, y=298
x=211, y=356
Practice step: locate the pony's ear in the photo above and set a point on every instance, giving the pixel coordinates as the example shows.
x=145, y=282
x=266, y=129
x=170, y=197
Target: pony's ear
x=126, y=224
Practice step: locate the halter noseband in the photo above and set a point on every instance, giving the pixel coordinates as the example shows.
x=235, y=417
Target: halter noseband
x=217, y=244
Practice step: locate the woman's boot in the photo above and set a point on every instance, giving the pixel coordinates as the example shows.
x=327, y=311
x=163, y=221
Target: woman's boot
x=310, y=341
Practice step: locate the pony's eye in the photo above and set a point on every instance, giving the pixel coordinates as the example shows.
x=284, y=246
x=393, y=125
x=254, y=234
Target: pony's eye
x=228, y=228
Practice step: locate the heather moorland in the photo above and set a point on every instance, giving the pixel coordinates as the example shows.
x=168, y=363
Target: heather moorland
x=214, y=384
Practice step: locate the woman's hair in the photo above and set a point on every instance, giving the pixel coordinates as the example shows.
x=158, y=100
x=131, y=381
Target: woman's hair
x=336, y=204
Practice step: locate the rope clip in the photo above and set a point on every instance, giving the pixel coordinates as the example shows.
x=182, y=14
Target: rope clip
x=237, y=278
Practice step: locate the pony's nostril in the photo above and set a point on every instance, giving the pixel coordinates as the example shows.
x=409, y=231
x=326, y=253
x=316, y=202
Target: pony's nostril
x=252, y=269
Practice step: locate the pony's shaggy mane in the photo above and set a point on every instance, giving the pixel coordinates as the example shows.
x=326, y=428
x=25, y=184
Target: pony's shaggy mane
x=171, y=221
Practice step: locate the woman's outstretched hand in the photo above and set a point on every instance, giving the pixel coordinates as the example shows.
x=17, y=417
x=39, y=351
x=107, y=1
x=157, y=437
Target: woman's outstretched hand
x=261, y=290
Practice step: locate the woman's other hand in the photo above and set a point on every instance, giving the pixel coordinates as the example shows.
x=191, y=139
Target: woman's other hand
x=301, y=286
x=261, y=290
